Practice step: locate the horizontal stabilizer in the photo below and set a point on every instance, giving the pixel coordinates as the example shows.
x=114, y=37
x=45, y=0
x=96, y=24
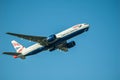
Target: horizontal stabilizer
x=11, y=53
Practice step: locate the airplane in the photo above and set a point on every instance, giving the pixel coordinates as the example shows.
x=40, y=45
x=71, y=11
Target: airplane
x=51, y=43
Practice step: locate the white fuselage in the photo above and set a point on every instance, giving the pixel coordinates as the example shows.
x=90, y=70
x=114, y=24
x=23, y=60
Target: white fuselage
x=31, y=48
x=71, y=30
x=67, y=34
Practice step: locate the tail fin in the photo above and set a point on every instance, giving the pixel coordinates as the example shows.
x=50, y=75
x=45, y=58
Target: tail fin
x=18, y=47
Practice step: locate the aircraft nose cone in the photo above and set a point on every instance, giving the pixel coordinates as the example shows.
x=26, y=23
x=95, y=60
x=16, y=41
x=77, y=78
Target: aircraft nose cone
x=86, y=25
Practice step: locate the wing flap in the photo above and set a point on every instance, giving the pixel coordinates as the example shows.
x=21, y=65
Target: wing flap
x=39, y=39
x=63, y=47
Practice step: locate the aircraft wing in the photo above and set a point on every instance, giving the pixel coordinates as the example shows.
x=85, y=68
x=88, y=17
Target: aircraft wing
x=39, y=39
x=63, y=47
x=11, y=53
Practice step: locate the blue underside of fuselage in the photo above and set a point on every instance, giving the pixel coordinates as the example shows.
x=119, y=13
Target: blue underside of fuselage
x=73, y=34
x=36, y=51
x=59, y=41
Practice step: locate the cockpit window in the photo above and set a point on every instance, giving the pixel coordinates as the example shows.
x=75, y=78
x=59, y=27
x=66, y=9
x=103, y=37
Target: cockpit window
x=77, y=26
x=85, y=24
x=80, y=25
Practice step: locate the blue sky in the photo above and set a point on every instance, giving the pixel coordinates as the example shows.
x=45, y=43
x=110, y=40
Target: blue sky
x=96, y=55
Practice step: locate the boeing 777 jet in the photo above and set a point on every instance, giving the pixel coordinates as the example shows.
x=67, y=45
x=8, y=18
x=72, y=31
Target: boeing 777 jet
x=51, y=43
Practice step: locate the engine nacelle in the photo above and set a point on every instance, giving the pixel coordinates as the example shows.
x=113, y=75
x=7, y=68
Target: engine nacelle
x=51, y=38
x=71, y=44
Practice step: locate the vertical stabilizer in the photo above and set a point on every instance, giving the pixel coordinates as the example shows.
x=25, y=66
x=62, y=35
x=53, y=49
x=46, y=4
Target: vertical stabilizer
x=18, y=47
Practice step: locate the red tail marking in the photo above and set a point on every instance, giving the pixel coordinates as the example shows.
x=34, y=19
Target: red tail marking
x=20, y=50
x=16, y=44
x=15, y=56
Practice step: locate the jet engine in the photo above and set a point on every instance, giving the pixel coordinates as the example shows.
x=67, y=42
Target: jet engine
x=71, y=44
x=51, y=38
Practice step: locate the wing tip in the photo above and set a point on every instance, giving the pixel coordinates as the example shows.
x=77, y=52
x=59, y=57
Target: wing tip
x=8, y=33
